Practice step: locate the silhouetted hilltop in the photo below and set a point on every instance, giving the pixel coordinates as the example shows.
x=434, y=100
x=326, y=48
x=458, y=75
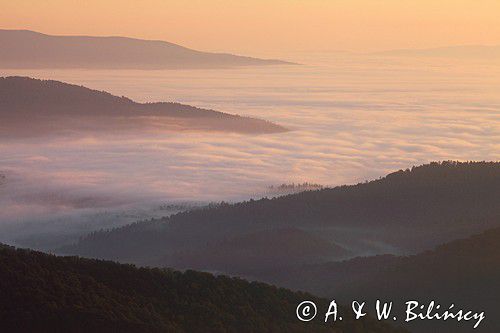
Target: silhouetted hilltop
x=405, y=212
x=53, y=106
x=29, y=49
x=292, y=188
x=465, y=272
x=44, y=293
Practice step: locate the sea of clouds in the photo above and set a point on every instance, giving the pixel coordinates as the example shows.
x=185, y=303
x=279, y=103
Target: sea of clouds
x=352, y=118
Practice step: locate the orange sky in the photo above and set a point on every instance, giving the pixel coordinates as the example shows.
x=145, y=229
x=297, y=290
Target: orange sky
x=272, y=27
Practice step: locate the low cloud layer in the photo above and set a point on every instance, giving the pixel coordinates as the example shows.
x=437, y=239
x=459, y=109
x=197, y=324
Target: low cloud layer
x=353, y=120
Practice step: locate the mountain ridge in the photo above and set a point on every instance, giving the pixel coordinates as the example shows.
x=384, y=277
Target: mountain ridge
x=47, y=103
x=45, y=293
x=465, y=272
x=409, y=211
x=30, y=49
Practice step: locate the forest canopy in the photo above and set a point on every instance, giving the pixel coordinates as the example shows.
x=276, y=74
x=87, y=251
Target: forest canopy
x=45, y=293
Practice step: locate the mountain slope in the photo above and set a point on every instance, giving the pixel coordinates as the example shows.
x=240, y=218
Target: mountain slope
x=254, y=254
x=465, y=272
x=53, y=106
x=29, y=49
x=405, y=212
x=43, y=293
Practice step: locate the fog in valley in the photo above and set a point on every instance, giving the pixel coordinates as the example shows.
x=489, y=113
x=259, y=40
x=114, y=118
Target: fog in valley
x=351, y=118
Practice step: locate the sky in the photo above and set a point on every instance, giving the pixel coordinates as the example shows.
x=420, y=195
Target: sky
x=261, y=27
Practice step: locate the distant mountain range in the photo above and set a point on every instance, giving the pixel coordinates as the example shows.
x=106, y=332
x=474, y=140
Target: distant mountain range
x=405, y=212
x=54, y=107
x=466, y=52
x=29, y=49
x=44, y=293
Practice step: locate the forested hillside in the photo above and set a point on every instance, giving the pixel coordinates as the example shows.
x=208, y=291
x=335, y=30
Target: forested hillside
x=405, y=212
x=465, y=272
x=45, y=293
x=267, y=250
x=54, y=107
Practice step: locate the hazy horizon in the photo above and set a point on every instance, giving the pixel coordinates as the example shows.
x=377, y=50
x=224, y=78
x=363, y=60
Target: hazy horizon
x=269, y=28
x=287, y=56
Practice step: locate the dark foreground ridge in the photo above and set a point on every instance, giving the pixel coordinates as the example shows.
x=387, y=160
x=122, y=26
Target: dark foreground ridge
x=463, y=272
x=45, y=293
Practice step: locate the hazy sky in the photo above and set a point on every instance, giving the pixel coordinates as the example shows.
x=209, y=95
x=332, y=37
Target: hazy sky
x=268, y=26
